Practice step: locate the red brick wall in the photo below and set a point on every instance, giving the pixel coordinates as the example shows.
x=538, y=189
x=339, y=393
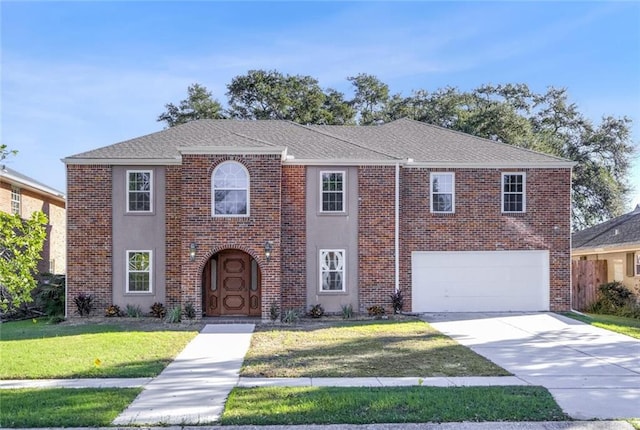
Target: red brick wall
x=214, y=234
x=173, y=227
x=89, y=243
x=294, y=264
x=376, y=221
x=479, y=225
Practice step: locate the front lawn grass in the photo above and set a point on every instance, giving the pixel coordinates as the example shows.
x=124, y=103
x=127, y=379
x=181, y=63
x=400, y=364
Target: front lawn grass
x=40, y=350
x=340, y=405
x=361, y=349
x=627, y=326
x=58, y=407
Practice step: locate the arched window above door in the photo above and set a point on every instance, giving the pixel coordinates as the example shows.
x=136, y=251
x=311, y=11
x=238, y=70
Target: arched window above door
x=230, y=190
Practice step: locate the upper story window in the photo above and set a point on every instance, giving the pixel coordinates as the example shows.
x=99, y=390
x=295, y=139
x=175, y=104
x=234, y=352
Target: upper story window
x=332, y=270
x=16, y=198
x=139, y=190
x=230, y=190
x=139, y=271
x=332, y=190
x=442, y=192
x=513, y=192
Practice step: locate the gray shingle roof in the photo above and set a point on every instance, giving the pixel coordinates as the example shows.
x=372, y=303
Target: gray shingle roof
x=13, y=176
x=394, y=141
x=622, y=230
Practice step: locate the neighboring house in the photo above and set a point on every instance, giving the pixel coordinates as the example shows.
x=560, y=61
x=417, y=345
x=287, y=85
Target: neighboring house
x=20, y=194
x=618, y=242
x=236, y=217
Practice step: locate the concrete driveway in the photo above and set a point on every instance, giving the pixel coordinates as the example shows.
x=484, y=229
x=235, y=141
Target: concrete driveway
x=592, y=373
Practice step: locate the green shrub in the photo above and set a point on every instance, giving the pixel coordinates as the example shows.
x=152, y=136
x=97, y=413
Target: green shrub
x=174, y=315
x=158, y=310
x=347, y=311
x=50, y=294
x=189, y=311
x=84, y=304
x=316, y=311
x=615, y=299
x=291, y=316
x=113, y=311
x=397, y=301
x=133, y=311
x=274, y=311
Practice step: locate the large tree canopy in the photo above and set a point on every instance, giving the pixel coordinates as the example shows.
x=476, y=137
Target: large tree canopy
x=512, y=114
x=199, y=104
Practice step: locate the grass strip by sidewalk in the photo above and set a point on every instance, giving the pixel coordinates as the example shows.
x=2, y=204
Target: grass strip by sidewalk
x=40, y=350
x=622, y=325
x=361, y=349
x=341, y=405
x=59, y=407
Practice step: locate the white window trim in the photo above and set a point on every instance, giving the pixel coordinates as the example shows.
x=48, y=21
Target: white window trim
x=636, y=263
x=344, y=191
x=453, y=192
x=126, y=255
x=213, y=192
x=524, y=192
x=126, y=184
x=16, y=191
x=344, y=270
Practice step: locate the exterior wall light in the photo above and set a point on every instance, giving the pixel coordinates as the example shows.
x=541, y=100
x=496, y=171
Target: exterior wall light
x=193, y=247
x=268, y=247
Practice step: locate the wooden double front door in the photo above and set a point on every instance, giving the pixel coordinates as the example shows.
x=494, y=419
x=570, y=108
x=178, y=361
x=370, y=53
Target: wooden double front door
x=231, y=284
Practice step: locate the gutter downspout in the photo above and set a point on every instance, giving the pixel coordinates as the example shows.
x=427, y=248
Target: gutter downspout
x=397, y=230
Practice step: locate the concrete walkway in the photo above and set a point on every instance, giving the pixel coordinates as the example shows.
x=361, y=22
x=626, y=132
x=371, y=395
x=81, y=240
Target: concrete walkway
x=592, y=373
x=193, y=388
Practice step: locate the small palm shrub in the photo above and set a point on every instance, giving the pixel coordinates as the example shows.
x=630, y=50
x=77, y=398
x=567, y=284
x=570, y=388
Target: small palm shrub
x=316, y=311
x=84, y=304
x=376, y=311
x=274, y=312
x=50, y=295
x=397, y=301
x=158, y=310
x=113, y=311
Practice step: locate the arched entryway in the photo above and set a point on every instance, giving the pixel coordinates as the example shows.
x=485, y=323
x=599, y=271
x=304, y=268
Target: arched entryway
x=231, y=285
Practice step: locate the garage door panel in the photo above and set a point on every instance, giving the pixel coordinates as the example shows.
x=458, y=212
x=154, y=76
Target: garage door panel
x=480, y=281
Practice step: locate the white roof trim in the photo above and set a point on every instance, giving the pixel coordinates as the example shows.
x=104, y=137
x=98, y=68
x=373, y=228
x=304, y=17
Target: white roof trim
x=409, y=163
x=224, y=150
x=29, y=185
x=125, y=161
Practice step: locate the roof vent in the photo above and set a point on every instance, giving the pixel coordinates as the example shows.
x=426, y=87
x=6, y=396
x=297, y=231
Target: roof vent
x=616, y=232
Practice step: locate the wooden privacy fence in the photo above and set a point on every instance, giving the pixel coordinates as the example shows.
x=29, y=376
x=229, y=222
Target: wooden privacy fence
x=586, y=277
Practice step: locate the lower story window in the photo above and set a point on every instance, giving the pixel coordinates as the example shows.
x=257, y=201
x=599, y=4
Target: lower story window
x=332, y=270
x=138, y=271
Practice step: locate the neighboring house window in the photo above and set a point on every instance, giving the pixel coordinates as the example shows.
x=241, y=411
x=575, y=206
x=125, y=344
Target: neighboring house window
x=230, y=190
x=442, y=192
x=332, y=189
x=138, y=271
x=15, y=200
x=513, y=192
x=332, y=270
x=139, y=190
x=637, y=263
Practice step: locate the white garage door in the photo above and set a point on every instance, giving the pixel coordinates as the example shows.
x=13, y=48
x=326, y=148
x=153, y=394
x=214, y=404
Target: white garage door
x=480, y=281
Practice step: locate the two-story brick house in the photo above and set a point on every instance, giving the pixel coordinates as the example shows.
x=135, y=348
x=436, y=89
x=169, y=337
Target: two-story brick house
x=22, y=195
x=235, y=217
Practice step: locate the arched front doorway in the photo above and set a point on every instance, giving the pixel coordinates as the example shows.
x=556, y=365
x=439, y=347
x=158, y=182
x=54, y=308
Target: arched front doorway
x=231, y=285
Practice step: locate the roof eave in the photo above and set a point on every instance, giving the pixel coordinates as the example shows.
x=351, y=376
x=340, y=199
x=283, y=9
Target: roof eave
x=32, y=186
x=606, y=249
x=124, y=161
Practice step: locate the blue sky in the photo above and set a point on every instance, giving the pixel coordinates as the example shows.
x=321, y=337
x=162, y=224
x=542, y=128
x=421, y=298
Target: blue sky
x=79, y=75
